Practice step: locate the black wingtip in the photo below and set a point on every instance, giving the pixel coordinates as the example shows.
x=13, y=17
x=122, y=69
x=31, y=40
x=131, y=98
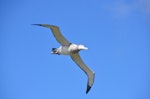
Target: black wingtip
x=46, y=25
x=88, y=89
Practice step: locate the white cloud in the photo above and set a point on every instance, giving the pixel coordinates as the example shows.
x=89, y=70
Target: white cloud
x=121, y=9
x=144, y=5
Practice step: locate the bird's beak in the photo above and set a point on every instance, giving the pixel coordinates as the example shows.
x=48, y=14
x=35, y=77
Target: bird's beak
x=85, y=48
x=81, y=47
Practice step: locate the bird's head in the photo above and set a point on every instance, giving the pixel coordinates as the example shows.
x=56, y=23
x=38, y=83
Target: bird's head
x=82, y=47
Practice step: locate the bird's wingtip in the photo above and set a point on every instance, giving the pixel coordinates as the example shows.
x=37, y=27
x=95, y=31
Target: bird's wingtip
x=46, y=25
x=88, y=89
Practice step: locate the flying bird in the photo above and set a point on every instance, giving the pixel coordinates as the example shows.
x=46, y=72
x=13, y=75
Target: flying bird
x=68, y=48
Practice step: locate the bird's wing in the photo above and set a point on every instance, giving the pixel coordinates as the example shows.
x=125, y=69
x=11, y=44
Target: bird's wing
x=57, y=34
x=76, y=58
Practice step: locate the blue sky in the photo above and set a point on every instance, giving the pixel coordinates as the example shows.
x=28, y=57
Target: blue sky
x=116, y=32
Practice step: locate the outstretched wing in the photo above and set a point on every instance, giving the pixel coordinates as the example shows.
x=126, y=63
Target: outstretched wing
x=77, y=59
x=57, y=34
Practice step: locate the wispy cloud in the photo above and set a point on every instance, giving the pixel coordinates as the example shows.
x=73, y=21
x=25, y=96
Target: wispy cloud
x=121, y=9
x=144, y=5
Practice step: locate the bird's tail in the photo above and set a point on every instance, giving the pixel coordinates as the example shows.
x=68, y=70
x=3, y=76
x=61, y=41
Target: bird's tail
x=54, y=51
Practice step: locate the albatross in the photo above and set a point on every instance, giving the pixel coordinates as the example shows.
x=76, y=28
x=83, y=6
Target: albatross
x=68, y=48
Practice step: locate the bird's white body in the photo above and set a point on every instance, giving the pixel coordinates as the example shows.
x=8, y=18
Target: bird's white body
x=69, y=49
x=72, y=50
x=65, y=50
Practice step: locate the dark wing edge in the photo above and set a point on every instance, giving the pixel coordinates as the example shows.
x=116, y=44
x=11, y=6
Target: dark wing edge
x=56, y=32
x=91, y=75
